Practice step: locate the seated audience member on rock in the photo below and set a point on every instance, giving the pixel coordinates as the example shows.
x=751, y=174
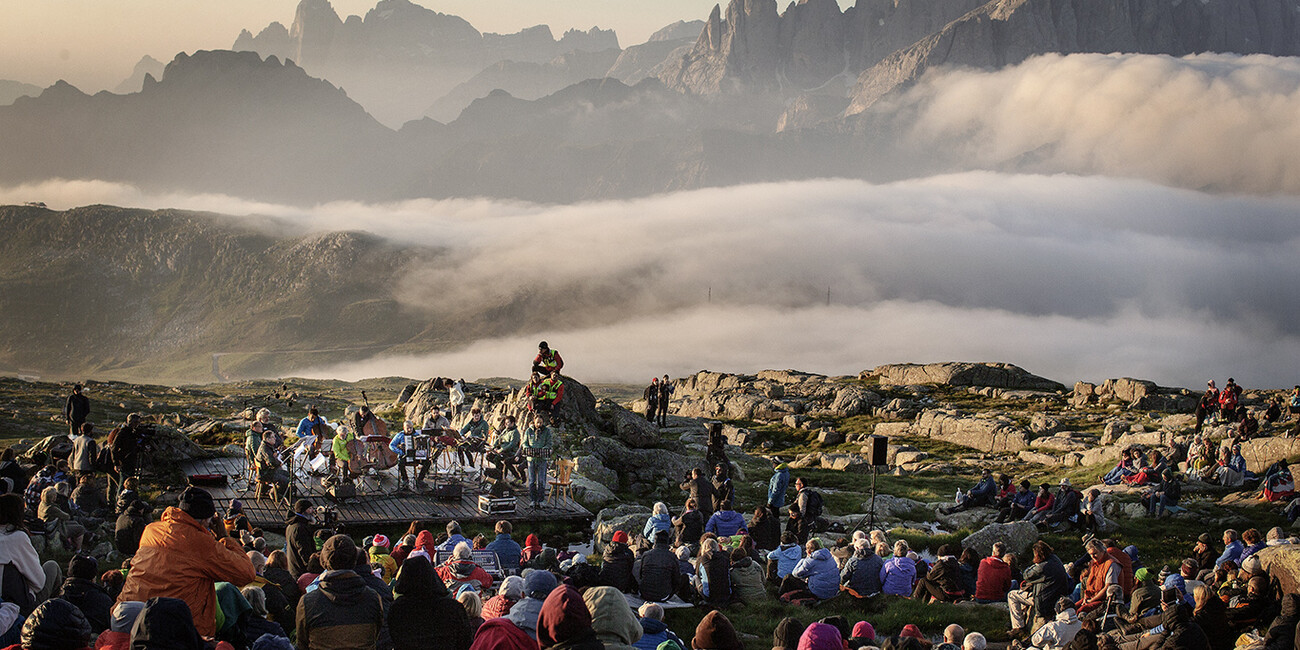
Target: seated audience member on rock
x=689, y=526
x=819, y=570
x=657, y=571
x=1045, y=581
x=460, y=569
x=180, y=556
x=860, y=575
x=898, y=576
x=1058, y=633
x=1019, y=505
x=616, y=569
x=506, y=548
x=980, y=496
x=943, y=583
x=653, y=629
x=713, y=572
x=726, y=522
x=537, y=585
x=782, y=561
x=993, y=581
x=746, y=578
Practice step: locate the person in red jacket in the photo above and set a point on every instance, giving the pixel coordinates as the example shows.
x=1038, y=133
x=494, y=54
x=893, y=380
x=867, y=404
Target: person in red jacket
x=461, y=569
x=547, y=360
x=994, y=577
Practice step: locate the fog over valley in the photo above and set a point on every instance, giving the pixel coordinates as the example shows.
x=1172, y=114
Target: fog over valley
x=827, y=186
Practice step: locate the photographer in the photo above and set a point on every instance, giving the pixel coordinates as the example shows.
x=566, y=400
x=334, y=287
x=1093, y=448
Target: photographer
x=299, y=535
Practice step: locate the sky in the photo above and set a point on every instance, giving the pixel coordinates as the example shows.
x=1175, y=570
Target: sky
x=94, y=44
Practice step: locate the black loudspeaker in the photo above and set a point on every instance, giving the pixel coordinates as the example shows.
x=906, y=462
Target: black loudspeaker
x=879, y=451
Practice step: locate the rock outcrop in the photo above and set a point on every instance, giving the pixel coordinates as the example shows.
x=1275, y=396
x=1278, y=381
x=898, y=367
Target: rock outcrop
x=627, y=517
x=771, y=395
x=984, y=434
x=995, y=375
x=1017, y=535
x=1136, y=394
x=1283, y=564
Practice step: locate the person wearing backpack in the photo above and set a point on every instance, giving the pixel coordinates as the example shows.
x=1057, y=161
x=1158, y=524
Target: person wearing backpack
x=1228, y=399
x=809, y=503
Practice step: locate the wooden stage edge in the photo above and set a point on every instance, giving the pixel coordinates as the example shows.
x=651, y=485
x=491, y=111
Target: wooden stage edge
x=377, y=504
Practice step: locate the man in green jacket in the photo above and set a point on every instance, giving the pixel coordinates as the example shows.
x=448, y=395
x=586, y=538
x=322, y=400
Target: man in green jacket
x=536, y=443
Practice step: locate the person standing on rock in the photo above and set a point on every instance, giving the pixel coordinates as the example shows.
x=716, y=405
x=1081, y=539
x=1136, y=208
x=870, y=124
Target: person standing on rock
x=1229, y=399
x=651, y=396
x=665, y=394
x=777, y=485
x=124, y=442
x=547, y=360
x=76, y=410
x=723, y=490
x=455, y=395
x=1208, y=405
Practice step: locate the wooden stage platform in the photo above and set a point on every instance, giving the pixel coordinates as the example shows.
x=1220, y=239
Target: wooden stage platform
x=378, y=502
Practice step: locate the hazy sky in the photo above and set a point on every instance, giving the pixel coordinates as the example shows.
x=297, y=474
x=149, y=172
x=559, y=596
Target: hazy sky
x=94, y=44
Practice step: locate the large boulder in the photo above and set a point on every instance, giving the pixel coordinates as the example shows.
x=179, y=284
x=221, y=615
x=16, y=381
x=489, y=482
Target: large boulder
x=591, y=468
x=889, y=506
x=591, y=494
x=1126, y=389
x=1262, y=452
x=639, y=465
x=972, y=519
x=851, y=400
x=984, y=434
x=996, y=375
x=634, y=430
x=1283, y=564
x=1017, y=535
x=575, y=414
x=629, y=518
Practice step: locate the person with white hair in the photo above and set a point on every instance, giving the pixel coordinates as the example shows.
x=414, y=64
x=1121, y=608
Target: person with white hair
x=461, y=569
x=1061, y=631
x=653, y=629
x=975, y=641
x=660, y=519
x=257, y=623
x=510, y=592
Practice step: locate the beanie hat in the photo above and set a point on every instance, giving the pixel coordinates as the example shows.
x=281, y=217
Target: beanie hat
x=339, y=552
x=787, y=633
x=1142, y=574
x=821, y=636
x=83, y=566
x=532, y=540
x=124, y=615
x=1252, y=565
x=197, y=503
x=301, y=505
x=56, y=624
x=716, y=633
x=380, y=540
x=912, y=631
x=620, y=537
x=539, y=583
x=236, y=506
x=863, y=630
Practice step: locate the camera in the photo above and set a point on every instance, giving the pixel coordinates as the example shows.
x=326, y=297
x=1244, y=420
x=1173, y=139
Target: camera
x=327, y=515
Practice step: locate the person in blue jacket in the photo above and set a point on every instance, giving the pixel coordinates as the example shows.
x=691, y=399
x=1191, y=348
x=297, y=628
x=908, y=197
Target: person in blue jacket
x=819, y=570
x=778, y=484
x=653, y=629
x=726, y=522
x=898, y=575
x=861, y=573
x=786, y=556
x=1232, y=548
x=506, y=548
x=983, y=494
x=659, y=520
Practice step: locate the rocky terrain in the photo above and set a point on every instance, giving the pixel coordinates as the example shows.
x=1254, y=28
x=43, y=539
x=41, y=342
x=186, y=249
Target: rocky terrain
x=944, y=425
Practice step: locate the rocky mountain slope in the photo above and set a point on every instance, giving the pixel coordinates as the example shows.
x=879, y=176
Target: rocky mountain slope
x=134, y=293
x=12, y=90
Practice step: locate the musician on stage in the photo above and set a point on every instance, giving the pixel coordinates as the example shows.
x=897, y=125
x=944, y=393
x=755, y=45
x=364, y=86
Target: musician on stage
x=307, y=426
x=269, y=429
x=411, y=446
x=270, y=469
x=536, y=443
x=472, y=436
x=362, y=417
x=435, y=420
x=341, y=454
x=504, y=447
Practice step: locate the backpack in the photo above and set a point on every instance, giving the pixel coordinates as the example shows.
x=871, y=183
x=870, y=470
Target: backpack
x=813, y=512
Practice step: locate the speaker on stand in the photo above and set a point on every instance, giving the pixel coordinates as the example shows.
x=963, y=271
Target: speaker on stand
x=879, y=456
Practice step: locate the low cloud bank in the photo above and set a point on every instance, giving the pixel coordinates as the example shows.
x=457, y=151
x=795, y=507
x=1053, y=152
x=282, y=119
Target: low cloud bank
x=1072, y=277
x=1217, y=122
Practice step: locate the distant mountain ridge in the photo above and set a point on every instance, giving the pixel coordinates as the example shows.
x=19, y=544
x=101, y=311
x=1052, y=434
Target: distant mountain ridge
x=401, y=57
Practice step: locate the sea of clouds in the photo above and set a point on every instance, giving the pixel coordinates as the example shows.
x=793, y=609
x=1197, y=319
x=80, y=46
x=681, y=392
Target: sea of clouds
x=1103, y=216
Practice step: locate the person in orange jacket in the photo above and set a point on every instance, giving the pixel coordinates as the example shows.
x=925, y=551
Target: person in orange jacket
x=180, y=557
